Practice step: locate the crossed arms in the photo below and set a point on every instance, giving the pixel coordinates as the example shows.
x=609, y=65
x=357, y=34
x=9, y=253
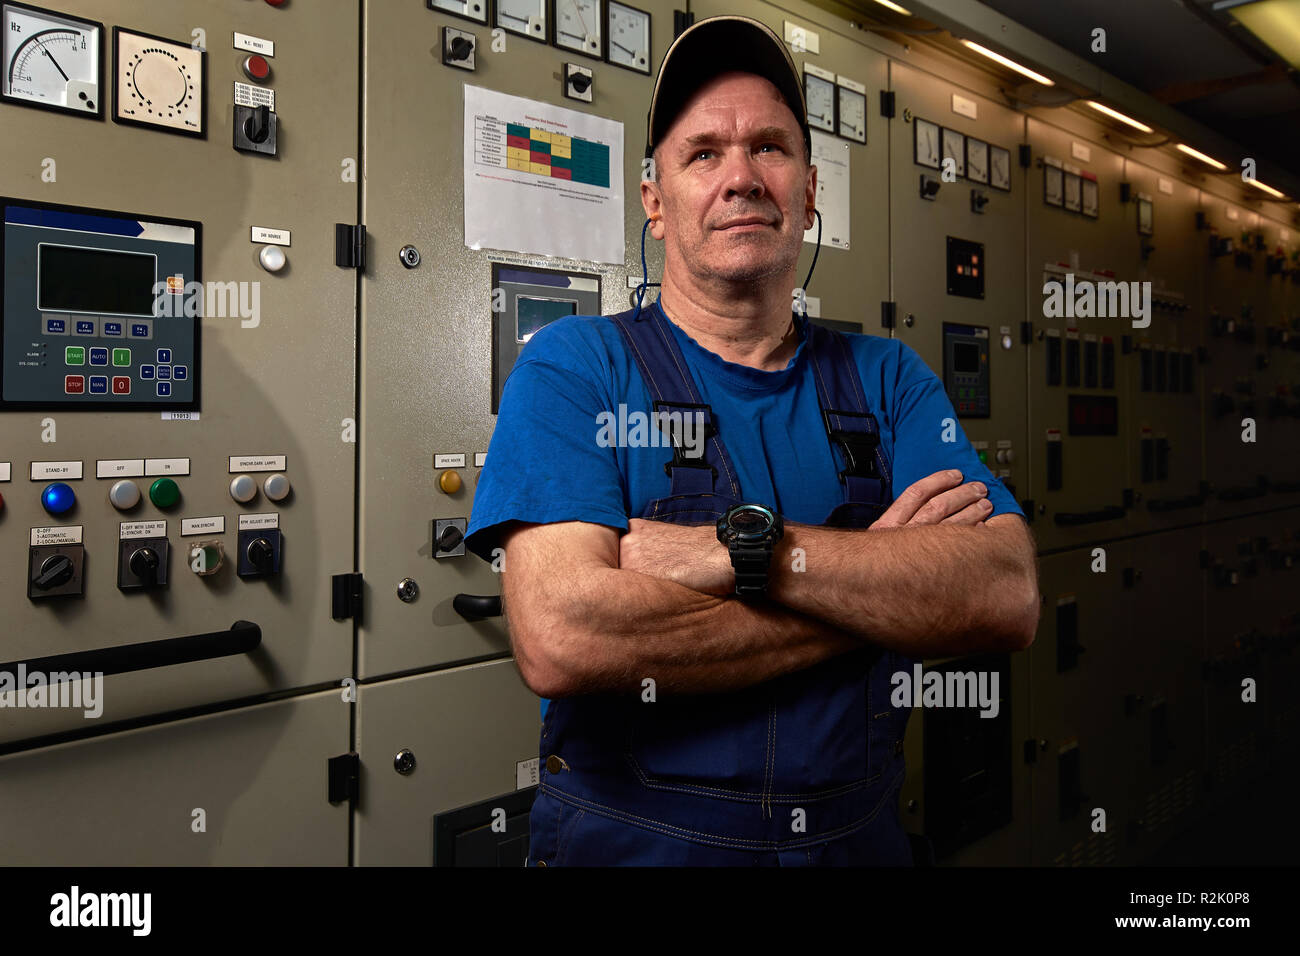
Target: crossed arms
x=590, y=611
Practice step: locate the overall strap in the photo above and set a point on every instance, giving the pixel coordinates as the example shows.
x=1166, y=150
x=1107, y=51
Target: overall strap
x=664, y=370
x=850, y=426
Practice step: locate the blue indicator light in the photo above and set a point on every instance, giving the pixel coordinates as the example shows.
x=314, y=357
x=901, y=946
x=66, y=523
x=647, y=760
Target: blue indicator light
x=58, y=498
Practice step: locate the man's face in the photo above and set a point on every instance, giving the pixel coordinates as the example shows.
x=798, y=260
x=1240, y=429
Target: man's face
x=734, y=192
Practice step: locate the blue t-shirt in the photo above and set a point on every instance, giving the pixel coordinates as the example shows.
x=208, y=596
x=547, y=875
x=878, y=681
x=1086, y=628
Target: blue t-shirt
x=546, y=463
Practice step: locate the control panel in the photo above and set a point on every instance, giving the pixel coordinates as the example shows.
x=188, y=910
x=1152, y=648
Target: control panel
x=966, y=368
x=100, y=311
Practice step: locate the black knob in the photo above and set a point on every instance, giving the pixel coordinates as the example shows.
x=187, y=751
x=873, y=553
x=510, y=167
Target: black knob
x=55, y=571
x=260, y=554
x=580, y=82
x=144, y=564
x=258, y=126
x=450, y=538
x=461, y=48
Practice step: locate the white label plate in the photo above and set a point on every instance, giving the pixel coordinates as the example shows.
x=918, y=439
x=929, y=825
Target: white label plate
x=120, y=468
x=240, y=463
x=252, y=522
x=527, y=773
x=56, y=535
x=271, y=237
x=142, y=529
x=214, y=525
x=246, y=95
x=4, y=470
x=251, y=44
x=166, y=466
x=42, y=470
x=448, y=461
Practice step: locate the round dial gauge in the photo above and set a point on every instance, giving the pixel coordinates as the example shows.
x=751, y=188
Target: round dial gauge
x=819, y=93
x=577, y=26
x=629, y=37
x=51, y=60
x=158, y=83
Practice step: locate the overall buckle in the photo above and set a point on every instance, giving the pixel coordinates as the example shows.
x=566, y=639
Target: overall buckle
x=675, y=435
x=858, y=447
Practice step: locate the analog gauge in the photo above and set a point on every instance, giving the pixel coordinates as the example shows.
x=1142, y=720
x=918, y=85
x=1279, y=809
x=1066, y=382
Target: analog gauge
x=1053, y=185
x=475, y=10
x=954, y=148
x=1073, y=192
x=977, y=160
x=577, y=25
x=925, y=145
x=852, y=114
x=1146, y=217
x=525, y=17
x=51, y=60
x=819, y=93
x=628, y=30
x=158, y=82
x=1090, y=198
x=1000, y=168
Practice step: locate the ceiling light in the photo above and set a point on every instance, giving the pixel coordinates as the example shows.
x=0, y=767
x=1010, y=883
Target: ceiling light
x=895, y=7
x=1010, y=64
x=1275, y=23
x=1202, y=157
x=1116, y=115
x=1268, y=189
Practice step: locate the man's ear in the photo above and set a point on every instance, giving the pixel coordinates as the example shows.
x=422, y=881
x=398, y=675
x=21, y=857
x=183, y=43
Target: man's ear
x=810, y=199
x=653, y=206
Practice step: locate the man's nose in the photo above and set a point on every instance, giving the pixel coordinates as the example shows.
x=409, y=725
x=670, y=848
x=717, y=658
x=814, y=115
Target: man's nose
x=742, y=175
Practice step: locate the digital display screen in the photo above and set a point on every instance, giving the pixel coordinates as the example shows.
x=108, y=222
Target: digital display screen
x=532, y=314
x=965, y=357
x=100, y=281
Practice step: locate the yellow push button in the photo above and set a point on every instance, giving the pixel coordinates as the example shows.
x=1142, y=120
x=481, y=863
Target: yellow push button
x=449, y=481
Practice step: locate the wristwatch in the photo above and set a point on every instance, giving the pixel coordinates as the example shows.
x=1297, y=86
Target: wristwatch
x=750, y=532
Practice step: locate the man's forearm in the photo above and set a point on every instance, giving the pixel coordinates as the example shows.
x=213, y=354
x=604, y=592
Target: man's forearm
x=925, y=591
x=623, y=627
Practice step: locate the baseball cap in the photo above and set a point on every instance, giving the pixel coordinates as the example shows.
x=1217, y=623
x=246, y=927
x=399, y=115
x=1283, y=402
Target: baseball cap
x=720, y=45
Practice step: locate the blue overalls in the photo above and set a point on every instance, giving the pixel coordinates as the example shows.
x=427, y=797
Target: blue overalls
x=803, y=769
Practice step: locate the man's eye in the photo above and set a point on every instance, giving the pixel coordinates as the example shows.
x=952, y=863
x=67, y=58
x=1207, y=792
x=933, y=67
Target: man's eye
x=703, y=153
x=774, y=146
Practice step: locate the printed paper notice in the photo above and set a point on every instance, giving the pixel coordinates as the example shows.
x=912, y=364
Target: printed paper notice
x=831, y=157
x=542, y=179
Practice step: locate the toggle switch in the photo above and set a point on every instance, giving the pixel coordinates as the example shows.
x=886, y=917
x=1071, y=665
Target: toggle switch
x=124, y=495
x=58, y=498
x=276, y=487
x=243, y=489
x=272, y=258
x=55, y=570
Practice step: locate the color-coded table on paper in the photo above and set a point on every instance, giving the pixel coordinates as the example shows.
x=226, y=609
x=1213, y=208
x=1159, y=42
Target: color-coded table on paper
x=528, y=149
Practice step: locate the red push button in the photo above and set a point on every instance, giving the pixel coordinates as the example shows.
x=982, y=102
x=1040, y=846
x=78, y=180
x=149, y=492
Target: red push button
x=275, y=3
x=121, y=385
x=74, y=384
x=256, y=68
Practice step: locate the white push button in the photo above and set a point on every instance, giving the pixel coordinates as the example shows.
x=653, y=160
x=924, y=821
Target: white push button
x=276, y=487
x=124, y=495
x=243, y=489
x=273, y=258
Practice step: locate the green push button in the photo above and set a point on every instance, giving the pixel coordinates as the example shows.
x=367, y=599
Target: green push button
x=164, y=493
x=122, y=358
x=74, y=355
x=984, y=457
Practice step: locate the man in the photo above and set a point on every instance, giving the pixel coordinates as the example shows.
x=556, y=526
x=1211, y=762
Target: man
x=719, y=663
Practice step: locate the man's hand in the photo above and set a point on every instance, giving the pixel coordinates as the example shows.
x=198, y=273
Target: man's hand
x=688, y=555
x=940, y=498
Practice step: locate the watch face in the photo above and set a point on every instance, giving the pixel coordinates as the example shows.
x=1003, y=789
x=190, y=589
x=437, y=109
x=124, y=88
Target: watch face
x=751, y=521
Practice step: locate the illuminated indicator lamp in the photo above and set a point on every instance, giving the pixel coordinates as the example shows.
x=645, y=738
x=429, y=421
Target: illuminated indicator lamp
x=984, y=457
x=58, y=498
x=164, y=493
